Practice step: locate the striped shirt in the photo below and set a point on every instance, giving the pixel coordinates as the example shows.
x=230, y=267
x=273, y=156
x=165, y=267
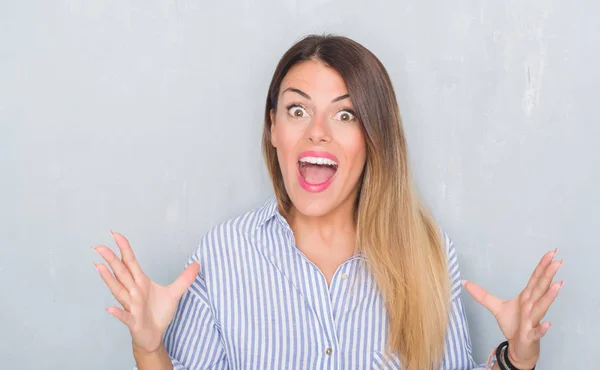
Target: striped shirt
x=259, y=303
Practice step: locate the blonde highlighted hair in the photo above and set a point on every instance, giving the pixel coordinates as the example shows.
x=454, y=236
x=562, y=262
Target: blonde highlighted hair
x=399, y=238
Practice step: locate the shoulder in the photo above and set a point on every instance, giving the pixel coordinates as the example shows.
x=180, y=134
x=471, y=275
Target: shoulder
x=232, y=234
x=222, y=249
x=452, y=261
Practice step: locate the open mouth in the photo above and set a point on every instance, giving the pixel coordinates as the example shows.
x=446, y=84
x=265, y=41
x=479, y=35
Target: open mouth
x=316, y=171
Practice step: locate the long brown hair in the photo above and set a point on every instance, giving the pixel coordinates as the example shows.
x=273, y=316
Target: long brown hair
x=396, y=234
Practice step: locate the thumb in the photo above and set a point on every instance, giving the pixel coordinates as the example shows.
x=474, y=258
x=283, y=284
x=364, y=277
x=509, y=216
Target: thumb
x=484, y=298
x=187, y=277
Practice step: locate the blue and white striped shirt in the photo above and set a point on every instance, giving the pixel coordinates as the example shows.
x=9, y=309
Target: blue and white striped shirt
x=259, y=303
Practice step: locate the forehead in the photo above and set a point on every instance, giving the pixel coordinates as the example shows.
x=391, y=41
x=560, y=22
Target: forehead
x=314, y=78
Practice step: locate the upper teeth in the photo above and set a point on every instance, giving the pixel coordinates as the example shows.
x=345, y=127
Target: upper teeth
x=318, y=160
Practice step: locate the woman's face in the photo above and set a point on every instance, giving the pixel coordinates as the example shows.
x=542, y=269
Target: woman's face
x=320, y=144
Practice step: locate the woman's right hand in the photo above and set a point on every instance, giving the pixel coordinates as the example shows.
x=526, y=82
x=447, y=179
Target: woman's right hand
x=148, y=308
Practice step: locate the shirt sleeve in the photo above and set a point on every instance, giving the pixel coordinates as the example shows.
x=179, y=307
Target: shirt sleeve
x=457, y=352
x=193, y=339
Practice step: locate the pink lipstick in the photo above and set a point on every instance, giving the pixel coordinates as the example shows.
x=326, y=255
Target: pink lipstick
x=316, y=188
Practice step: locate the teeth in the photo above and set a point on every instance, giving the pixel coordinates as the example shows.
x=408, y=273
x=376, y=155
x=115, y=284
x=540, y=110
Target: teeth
x=318, y=160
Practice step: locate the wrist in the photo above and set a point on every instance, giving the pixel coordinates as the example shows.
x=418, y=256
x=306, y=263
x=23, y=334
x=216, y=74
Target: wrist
x=506, y=359
x=518, y=364
x=147, y=352
x=152, y=360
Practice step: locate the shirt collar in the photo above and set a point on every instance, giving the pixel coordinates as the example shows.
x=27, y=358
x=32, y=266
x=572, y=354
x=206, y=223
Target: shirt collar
x=267, y=211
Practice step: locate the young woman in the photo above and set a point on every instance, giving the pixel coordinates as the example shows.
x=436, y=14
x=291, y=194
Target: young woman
x=343, y=268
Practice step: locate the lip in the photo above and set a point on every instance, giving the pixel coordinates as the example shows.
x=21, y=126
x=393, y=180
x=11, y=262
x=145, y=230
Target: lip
x=315, y=188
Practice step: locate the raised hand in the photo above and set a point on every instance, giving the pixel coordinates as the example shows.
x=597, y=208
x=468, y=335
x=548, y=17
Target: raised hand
x=519, y=318
x=148, y=308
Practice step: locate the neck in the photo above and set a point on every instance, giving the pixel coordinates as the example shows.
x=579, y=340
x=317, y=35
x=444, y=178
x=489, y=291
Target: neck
x=333, y=231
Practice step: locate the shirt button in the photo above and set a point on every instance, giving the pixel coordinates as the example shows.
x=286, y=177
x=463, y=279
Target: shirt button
x=328, y=351
x=344, y=276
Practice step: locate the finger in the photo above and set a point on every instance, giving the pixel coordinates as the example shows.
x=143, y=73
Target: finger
x=538, y=332
x=128, y=256
x=545, y=280
x=537, y=272
x=116, y=288
x=543, y=304
x=123, y=316
x=183, y=282
x=487, y=300
x=120, y=270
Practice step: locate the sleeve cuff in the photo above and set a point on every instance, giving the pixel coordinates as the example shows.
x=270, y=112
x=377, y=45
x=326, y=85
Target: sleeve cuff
x=176, y=365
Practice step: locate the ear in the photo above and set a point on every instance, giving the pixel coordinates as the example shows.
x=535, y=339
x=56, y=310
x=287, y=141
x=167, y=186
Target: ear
x=273, y=136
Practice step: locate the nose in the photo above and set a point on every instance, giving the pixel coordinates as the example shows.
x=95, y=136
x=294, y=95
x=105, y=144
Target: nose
x=318, y=130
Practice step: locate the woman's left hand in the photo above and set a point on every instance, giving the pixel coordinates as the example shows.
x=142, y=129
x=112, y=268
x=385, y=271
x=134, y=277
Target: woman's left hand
x=519, y=318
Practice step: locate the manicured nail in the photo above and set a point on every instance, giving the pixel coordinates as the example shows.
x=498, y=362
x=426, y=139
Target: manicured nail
x=463, y=282
x=561, y=284
x=96, y=267
x=111, y=233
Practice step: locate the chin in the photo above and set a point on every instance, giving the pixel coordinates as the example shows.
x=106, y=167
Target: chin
x=314, y=207
x=315, y=204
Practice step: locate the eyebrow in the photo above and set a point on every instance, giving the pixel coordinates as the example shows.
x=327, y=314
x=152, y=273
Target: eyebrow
x=298, y=91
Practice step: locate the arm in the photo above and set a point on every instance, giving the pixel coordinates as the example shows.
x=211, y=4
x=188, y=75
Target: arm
x=457, y=354
x=171, y=326
x=457, y=351
x=192, y=341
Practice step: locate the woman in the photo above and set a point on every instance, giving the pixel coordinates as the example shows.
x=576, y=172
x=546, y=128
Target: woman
x=343, y=268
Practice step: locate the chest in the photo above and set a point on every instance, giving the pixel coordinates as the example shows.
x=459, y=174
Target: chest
x=281, y=313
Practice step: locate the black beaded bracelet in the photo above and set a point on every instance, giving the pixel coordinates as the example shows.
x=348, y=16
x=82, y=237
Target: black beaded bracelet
x=502, y=357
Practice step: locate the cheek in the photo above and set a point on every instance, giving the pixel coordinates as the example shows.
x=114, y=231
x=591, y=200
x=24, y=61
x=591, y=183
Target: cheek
x=355, y=144
x=287, y=139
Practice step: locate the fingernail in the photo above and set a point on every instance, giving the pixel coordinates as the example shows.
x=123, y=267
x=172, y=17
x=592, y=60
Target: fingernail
x=111, y=233
x=463, y=282
x=96, y=267
x=561, y=284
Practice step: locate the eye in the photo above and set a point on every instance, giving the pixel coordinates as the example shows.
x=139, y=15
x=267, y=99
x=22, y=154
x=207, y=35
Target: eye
x=345, y=115
x=296, y=111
